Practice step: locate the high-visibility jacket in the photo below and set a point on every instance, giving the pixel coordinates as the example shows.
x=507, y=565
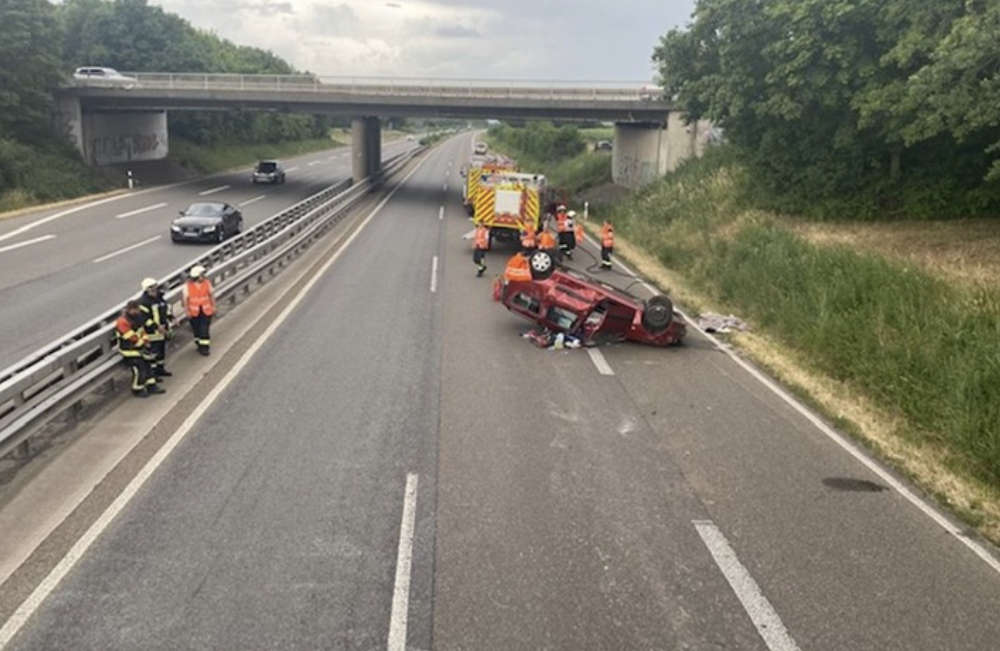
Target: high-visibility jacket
x=528, y=236
x=517, y=268
x=561, y=219
x=607, y=236
x=546, y=240
x=157, y=315
x=579, y=234
x=482, y=238
x=198, y=298
x=130, y=335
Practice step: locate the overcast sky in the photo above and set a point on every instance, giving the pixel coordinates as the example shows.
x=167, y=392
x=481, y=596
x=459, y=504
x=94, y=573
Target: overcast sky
x=523, y=39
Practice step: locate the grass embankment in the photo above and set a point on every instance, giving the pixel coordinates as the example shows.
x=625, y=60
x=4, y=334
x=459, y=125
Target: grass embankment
x=903, y=357
x=563, y=159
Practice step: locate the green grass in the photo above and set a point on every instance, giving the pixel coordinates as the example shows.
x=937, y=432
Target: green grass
x=215, y=158
x=916, y=345
x=30, y=175
x=597, y=133
x=571, y=175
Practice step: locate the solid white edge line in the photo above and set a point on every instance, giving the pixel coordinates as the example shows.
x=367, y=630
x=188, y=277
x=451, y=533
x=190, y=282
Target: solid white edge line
x=441, y=212
x=254, y=200
x=404, y=560
x=126, y=249
x=11, y=247
x=141, y=210
x=76, y=552
x=925, y=507
x=597, y=357
x=213, y=190
x=758, y=608
x=434, y=274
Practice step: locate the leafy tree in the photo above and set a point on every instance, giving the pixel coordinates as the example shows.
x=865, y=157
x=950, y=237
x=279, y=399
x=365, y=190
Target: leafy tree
x=29, y=40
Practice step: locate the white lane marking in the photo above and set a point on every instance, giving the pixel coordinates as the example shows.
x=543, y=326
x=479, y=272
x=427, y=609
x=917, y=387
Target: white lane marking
x=764, y=619
x=70, y=211
x=126, y=249
x=315, y=162
x=11, y=247
x=924, y=507
x=597, y=357
x=76, y=552
x=139, y=211
x=404, y=560
x=254, y=200
x=213, y=190
x=292, y=169
x=470, y=234
x=441, y=212
x=434, y=274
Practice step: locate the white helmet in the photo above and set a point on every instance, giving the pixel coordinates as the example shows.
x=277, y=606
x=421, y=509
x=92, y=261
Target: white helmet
x=197, y=271
x=560, y=207
x=571, y=214
x=148, y=282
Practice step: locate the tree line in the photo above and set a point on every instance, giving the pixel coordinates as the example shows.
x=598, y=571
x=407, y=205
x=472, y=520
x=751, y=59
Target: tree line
x=850, y=107
x=42, y=42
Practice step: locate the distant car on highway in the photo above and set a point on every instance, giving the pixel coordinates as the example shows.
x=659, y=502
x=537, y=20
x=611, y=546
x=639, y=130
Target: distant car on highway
x=97, y=76
x=206, y=222
x=650, y=93
x=268, y=171
x=603, y=145
x=481, y=148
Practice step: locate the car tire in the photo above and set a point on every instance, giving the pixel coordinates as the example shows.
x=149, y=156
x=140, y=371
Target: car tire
x=542, y=265
x=470, y=210
x=220, y=235
x=239, y=227
x=658, y=314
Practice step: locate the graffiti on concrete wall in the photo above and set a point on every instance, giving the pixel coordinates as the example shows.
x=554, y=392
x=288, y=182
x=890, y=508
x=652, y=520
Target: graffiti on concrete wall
x=126, y=137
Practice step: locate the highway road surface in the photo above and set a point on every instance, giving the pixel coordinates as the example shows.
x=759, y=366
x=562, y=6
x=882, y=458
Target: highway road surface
x=62, y=267
x=397, y=468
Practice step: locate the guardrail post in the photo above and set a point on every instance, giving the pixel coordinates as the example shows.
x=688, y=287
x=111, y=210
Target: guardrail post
x=204, y=79
x=171, y=81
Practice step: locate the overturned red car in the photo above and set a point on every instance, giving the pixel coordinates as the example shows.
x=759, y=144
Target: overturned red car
x=564, y=300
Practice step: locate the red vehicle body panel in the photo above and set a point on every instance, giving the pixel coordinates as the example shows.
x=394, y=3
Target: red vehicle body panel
x=576, y=304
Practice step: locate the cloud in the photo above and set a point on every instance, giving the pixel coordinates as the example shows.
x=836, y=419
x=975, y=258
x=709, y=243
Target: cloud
x=531, y=39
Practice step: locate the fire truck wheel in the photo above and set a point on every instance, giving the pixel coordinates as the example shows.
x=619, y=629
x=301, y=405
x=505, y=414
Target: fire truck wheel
x=658, y=314
x=542, y=265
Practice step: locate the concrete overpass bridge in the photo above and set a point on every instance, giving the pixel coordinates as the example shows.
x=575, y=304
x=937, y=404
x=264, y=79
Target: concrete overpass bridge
x=116, y=121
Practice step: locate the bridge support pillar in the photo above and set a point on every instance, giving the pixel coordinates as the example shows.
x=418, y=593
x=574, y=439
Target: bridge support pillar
x=366, y=143
x=644, y=151
x=112, y=138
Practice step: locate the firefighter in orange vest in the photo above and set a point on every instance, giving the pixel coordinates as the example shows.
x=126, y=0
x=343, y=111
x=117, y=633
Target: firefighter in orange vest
x=199, y=303
x=564, y=230
x=528, y=240
x=517, y=268
x=579, y=235
x=130, y=332
x=607, y=244
x=547, y=242
x=481, y=247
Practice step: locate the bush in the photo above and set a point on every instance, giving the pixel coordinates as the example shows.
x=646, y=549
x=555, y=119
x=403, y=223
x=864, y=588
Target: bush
x=46, y=172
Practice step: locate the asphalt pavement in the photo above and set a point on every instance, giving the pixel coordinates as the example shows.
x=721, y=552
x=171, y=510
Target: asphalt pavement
x=397, y=439
x=61, y=267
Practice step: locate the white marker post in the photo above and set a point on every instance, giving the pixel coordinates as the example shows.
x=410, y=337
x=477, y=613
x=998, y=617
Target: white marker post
x=131, y=182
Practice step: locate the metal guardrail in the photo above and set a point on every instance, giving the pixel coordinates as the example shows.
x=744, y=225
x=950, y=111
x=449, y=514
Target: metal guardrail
x=47, y=382
x=381, y=86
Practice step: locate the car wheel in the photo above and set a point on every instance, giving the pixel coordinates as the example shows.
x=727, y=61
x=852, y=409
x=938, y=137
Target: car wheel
x=239, y=227
x=658, y=314
x=282, y=179
x=470, y=210
x=219, y=235
x=542, y=265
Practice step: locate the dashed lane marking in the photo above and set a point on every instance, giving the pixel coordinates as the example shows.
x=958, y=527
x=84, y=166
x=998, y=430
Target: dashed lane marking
x=117, y=253
x=213, y=190
x=11, y=247
x=139, y=211
x=404, y=561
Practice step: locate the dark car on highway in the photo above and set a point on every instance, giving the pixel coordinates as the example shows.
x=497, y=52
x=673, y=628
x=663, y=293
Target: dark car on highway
x=206, y=222
x=268, y=171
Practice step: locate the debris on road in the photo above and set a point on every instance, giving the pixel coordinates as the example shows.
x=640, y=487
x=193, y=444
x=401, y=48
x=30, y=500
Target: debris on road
x=711, y=322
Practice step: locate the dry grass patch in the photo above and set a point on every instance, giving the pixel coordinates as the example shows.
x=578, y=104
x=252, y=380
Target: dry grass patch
x=966, y=250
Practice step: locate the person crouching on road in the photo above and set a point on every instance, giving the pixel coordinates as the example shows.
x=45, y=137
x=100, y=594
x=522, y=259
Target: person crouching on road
x=158, y=324
x=199, y=303
x=131, y=335
x=547, y=243
x=517, y=269
x=482, y=245
x=528, y=239
x=607, y=244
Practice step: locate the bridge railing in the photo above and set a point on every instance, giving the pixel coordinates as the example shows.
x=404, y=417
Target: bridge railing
x=57, y=376
x=382, y=86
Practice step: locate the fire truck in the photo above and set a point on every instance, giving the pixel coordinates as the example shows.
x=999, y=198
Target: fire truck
x=478, y=168
x=507, y=201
